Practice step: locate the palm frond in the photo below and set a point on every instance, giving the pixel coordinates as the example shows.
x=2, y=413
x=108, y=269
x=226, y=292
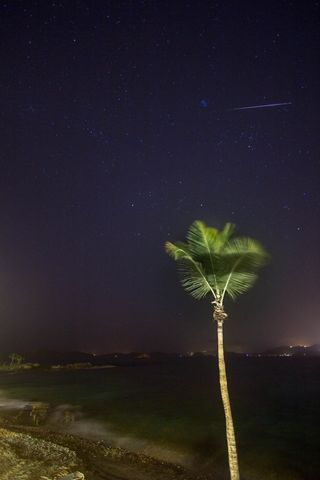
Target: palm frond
x=239, y=262
x=240, y=245
x=193, y=276
x=193, y=279
x=237, y=283
x=178, y=250
x=224, y=236
x=202, y=239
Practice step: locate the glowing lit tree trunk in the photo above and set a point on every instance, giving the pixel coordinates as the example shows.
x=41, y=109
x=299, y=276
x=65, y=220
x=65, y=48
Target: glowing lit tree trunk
x=219, y=315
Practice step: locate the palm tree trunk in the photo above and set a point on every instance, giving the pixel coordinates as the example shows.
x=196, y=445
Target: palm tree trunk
x=231, y=440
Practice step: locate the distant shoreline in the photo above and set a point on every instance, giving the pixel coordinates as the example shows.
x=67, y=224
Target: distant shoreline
x=78, y=359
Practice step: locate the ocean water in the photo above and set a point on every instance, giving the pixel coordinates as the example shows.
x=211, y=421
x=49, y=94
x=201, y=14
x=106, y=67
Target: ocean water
x=173, y=411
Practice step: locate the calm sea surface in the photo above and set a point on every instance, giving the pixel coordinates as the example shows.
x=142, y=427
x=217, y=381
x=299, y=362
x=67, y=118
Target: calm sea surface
x=176, y=407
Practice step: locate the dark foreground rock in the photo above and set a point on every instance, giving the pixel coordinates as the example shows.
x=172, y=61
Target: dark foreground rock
x=23, y=457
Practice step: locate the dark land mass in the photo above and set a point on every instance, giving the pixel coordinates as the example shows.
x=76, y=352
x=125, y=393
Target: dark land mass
x=295, y=350
x=51, y=357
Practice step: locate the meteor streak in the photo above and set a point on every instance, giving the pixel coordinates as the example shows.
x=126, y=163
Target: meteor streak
x=268, y=105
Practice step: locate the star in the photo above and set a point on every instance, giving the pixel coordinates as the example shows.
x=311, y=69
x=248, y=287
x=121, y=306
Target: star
x=204, y=103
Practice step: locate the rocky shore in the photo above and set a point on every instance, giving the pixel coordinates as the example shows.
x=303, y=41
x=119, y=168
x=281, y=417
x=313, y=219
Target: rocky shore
x=36, y=453
x=23, y=457
x=37, y=443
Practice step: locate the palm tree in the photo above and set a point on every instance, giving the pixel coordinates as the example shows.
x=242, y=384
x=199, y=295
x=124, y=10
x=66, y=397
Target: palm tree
x=16, y=359
x=216, y=263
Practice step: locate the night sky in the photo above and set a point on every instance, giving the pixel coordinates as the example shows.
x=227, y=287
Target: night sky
x=118, y=130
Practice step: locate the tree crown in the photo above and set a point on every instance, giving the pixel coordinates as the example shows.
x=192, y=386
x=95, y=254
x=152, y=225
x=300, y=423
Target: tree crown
x=214, y=261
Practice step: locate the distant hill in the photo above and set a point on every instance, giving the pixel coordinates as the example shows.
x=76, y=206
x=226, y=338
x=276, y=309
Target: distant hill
x=134, y=358
x=50, y=357
x=295, y=350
